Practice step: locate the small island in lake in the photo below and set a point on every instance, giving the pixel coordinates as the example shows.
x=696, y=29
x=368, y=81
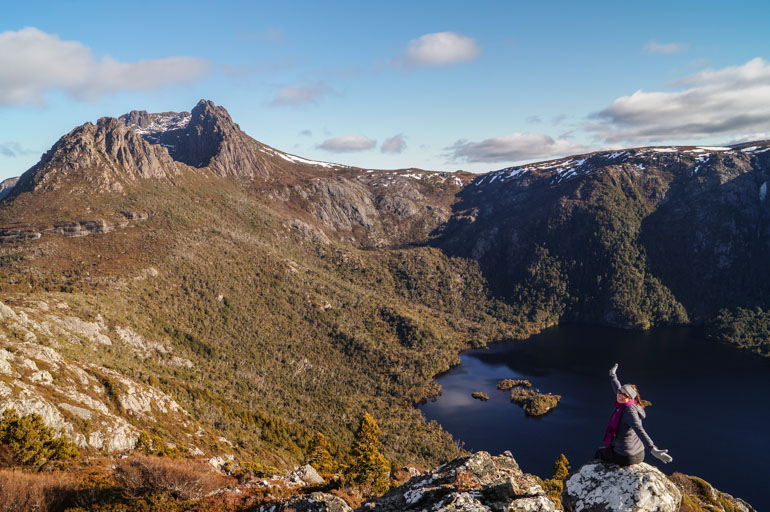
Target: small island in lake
x=506, y=384
x=534, y=402
x=478, y=395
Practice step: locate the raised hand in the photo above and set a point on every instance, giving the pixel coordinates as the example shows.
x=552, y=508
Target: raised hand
x=613, y=370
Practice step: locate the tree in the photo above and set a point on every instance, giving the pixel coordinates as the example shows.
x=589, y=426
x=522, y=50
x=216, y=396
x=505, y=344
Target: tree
x=369, y=468
x=319, y=456
x=554, y=486
x=560, y=467
x=31, y=441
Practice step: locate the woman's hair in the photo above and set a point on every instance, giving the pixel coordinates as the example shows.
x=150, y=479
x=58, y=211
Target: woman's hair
x=638, y=400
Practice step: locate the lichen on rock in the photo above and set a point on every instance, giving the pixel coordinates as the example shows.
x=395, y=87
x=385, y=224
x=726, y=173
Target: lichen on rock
x=600, y=487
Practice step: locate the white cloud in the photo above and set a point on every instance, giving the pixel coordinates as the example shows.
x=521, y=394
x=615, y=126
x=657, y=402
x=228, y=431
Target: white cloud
x=440, y=49
x=348, y=143
x=296, y=95
x=34, y=63
x=395, y=144
x=656, y=48
x=514, y=147
x=722, y=102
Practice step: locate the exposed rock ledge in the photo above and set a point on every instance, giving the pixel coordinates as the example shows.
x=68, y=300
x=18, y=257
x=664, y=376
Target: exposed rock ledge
x=72, y=229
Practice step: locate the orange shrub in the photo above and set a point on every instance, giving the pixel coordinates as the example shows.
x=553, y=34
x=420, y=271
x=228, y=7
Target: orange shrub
x=22, y=492
x=181, y=479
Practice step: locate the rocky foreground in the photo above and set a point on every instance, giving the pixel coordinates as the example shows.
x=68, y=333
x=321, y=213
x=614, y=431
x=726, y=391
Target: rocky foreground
x=482, y=482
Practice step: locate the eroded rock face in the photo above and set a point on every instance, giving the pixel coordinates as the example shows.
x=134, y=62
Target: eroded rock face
x=600, y=487
x=38, y=379
x=475, y=483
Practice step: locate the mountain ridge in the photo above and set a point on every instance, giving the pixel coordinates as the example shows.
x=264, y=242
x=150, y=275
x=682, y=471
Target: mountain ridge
x=304, y=294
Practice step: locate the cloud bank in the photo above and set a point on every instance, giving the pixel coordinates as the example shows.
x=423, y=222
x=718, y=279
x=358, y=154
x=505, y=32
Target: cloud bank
x=348, y=144
x=710, y=103
x=395, y=144
x=440, y=49
x=34, y=63
x=514, y=147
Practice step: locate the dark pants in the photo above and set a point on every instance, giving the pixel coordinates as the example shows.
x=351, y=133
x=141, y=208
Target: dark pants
x=607, y=454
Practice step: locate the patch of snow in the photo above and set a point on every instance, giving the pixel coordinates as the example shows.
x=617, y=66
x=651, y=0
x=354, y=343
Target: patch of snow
x=715, y=148
x=702, y=160
x=640, y=166
x=665, y=150
x=164, y=123
x=413, y=496
x=749, y=149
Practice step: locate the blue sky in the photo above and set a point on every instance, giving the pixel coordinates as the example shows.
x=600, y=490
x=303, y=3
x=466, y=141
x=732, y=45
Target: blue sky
x=438, y=85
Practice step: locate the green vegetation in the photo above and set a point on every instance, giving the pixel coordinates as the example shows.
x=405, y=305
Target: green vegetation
x=320, y=456
x=555, y=485
x=746, y=328
x=478, y=395
x=368, y=468
x=506, y=384
x=286, y=337
x=31, y=442
x=700, y=496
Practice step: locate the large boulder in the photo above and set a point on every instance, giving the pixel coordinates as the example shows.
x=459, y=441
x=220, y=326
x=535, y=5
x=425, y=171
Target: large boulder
x=600, y=487
x=480, y=482
x=306, y=475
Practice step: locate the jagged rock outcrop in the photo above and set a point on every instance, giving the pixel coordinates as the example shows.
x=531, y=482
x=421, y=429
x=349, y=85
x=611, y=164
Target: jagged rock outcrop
x=101, y=157
x=6, y=186
x=600, y=487
x=479, y=482
x=315, y=502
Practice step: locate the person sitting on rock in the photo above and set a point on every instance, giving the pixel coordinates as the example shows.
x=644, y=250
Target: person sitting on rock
x=625, y=438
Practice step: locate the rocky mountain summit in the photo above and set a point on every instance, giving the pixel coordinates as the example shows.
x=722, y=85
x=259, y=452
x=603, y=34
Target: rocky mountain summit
x=485, y=483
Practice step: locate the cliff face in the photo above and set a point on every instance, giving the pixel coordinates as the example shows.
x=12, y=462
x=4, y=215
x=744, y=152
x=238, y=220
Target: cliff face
x=634, y=238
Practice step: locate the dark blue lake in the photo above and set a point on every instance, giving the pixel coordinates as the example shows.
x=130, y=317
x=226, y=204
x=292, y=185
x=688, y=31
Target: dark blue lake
x=710, y=402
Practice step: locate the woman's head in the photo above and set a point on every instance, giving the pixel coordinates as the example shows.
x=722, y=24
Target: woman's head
x=629, y=392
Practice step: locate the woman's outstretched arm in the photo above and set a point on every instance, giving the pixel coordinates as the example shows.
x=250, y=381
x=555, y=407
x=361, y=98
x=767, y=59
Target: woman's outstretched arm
x=614, y=379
